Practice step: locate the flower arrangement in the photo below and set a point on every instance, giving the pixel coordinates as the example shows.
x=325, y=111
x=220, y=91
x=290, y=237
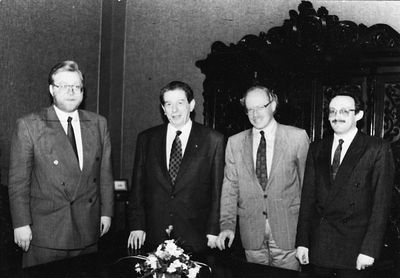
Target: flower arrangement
x=169, y=260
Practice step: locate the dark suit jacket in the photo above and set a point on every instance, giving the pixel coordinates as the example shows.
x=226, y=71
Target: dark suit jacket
x=48, y=190
x=192, y=204
x=341, y=220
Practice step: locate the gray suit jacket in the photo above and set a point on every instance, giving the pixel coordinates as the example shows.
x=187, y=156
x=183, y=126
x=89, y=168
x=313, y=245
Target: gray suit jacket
x=242, y=194
x=47, y=188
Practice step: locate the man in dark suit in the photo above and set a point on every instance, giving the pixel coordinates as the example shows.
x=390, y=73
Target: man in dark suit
x=346, y=195
x=60, y=178
x=177, y=178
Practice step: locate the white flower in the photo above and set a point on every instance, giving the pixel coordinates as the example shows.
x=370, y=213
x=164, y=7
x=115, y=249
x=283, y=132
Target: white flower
x=171, y=269
x=176, y=264
x=152, y=261
x=193, y=271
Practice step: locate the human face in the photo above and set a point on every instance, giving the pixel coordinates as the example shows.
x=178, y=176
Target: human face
x=260, y=114
x=69, y=100
x=343, y=123
x=177, y=108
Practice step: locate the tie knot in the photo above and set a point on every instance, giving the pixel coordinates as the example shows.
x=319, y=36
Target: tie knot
x=262, y=133
x=69, y=119
x=340, y=142
x=178, y=132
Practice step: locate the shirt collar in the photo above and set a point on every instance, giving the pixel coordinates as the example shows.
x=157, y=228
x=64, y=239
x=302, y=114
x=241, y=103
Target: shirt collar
x=63, y=116
x=185, y=129
x=348, y=137
x=269, y=130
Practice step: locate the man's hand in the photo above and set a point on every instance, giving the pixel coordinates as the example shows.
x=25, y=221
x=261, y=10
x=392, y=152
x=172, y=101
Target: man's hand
x=212, y=241
x=302, y=255
x=23, y=237
x=364, y=261
x=223, y=236
x=136, y=239
x=105, y=223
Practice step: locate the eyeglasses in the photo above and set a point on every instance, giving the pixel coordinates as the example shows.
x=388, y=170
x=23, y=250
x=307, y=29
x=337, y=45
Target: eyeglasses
x=257, y=108
x=343, y=112
x=66, y=88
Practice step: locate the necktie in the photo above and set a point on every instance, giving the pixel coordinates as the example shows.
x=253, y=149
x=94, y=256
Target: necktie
x=336, y=159
x=175, y=157
x=261, y=162
x=71, y=136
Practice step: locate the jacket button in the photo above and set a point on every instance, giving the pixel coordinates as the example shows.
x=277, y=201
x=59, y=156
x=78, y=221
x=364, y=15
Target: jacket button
x=265, y=196
x=90, y=200
x=97, y=158
x=171, y=214
x=172, y=196
x=63, y=183
x=265, y=213
x=94, y=180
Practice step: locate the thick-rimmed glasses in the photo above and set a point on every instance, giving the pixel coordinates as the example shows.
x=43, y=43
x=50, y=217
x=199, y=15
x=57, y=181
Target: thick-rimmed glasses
x=257, y=108
x=343, y=112
x=77, y=89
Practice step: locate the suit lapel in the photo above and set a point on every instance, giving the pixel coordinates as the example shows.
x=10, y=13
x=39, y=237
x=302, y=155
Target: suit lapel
x=349, y=161
x=161, y=156
x=59, y=142
x=88, y=134
x=247, y=153
x=279, y=149
x=191, y=151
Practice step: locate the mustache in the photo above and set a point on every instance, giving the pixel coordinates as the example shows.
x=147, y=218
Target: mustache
x=338, y=121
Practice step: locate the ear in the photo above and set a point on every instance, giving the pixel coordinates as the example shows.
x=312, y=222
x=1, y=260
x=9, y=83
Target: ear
x=163, y=108
x=273, y=106
x=51, y=90
x=359, y=115
x=192, y=104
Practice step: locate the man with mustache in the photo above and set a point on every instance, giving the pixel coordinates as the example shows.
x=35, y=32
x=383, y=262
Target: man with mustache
x=346, y=195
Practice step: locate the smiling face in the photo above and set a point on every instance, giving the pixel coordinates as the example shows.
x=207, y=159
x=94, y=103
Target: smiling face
x=177, y=108
x=66, y=100
x=260, y=109
x=346, y=121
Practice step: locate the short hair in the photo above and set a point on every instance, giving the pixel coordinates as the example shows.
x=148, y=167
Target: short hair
x=71, y=66
x=269, y=92
x=177, y=85
x=350, y=91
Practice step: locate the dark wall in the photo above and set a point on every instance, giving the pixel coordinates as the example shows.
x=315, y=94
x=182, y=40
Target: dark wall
x=35, y=35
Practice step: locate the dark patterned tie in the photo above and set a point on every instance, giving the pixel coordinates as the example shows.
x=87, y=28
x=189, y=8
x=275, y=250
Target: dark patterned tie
x=336, y=159
x=71, y=136
x=175, y=157
x=261, y=162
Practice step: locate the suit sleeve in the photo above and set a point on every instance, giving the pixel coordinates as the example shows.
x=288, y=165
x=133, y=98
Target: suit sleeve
x=382, y=186
x=217, y=175
x=302, y=150
x=230, y=191
x=136, y=209
x=21, y=164
x=307, y=203
x=106, y=176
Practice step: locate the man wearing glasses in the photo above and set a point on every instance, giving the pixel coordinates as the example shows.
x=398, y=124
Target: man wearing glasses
x=60, y=177
x=264, y=169
x=346, y=195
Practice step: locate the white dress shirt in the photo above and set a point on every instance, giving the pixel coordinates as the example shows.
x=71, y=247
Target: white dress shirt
x=184, y=137
x=76, y=125
x=347, y=139
x=269, y=134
